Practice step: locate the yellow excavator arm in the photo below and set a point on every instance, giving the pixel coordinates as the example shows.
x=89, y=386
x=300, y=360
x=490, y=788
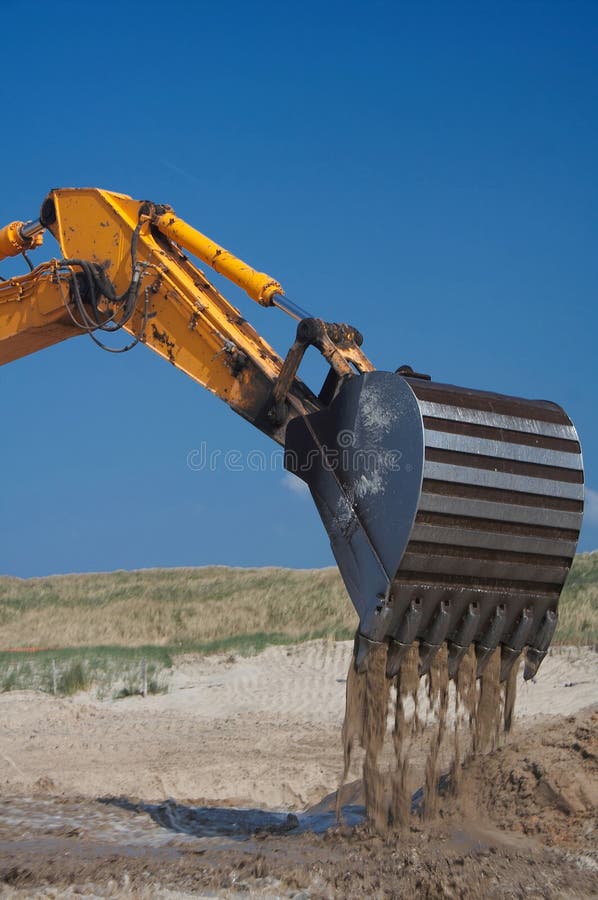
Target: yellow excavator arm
x=123, y=266
x=453, y=513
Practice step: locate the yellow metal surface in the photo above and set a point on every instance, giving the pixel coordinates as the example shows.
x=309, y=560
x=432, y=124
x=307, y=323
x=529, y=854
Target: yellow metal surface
x=12, y=243
x=187, y=321
x=258, y=285
x=32, y=314
x=10, y=240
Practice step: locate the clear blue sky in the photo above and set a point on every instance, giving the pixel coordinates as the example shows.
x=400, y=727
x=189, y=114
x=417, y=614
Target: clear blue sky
x=427, y=171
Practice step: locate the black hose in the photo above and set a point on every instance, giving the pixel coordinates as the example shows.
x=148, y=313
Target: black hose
x=97, y=285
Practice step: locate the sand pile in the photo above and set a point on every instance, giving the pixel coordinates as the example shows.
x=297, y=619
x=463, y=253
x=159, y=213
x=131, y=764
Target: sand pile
x=543, y=783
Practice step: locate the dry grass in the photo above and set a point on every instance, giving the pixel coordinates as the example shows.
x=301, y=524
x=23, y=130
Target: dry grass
x=578, y=609
x=217, y=608
x=173, y=607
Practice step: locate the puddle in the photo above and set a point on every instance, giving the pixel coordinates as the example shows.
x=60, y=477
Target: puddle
x=221, y=821
x=134, y=826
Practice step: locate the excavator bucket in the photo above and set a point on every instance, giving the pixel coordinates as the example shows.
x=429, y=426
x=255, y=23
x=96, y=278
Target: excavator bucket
x=453, y=514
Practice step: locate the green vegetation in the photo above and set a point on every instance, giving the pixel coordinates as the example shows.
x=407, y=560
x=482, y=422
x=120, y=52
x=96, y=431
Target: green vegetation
x=72, y=679
x=140, y=620
x=578, y=609
x=109, y=671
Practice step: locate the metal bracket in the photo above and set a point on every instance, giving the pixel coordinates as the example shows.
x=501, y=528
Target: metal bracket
x=337, y=343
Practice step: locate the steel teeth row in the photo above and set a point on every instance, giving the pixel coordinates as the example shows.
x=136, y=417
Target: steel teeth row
x=459, y=640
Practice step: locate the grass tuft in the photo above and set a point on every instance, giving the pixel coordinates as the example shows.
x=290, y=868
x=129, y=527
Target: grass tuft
x=73, y=679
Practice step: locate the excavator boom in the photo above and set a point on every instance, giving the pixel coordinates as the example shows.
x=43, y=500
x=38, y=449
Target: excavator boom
x=453, y=514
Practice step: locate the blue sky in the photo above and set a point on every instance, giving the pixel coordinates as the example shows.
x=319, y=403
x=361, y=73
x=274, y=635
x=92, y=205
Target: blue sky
x=426, y=171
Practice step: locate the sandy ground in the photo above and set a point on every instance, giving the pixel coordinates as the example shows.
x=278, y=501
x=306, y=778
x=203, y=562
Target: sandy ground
x=111, y=796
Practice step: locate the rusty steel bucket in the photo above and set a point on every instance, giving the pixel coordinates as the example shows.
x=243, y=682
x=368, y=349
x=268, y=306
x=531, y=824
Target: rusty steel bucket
x=453, y=514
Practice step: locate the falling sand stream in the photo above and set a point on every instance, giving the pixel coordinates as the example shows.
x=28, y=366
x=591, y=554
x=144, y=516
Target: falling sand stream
x=481, y=706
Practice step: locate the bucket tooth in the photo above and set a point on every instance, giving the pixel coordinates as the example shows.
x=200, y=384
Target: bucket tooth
x=538, y=649
x=362, y=650
x=512, y=648
x=462, y=638
x=491, y=638
x=406, y=634
x=533, y=660
x=435, y=636
x=409, y=626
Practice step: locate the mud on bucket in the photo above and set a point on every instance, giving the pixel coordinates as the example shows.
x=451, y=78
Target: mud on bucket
x=453, y=514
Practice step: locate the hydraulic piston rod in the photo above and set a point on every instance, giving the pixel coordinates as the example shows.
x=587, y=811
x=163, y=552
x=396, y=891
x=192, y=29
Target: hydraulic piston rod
x=258, y=285
x=19, y=236
x=261, y=287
